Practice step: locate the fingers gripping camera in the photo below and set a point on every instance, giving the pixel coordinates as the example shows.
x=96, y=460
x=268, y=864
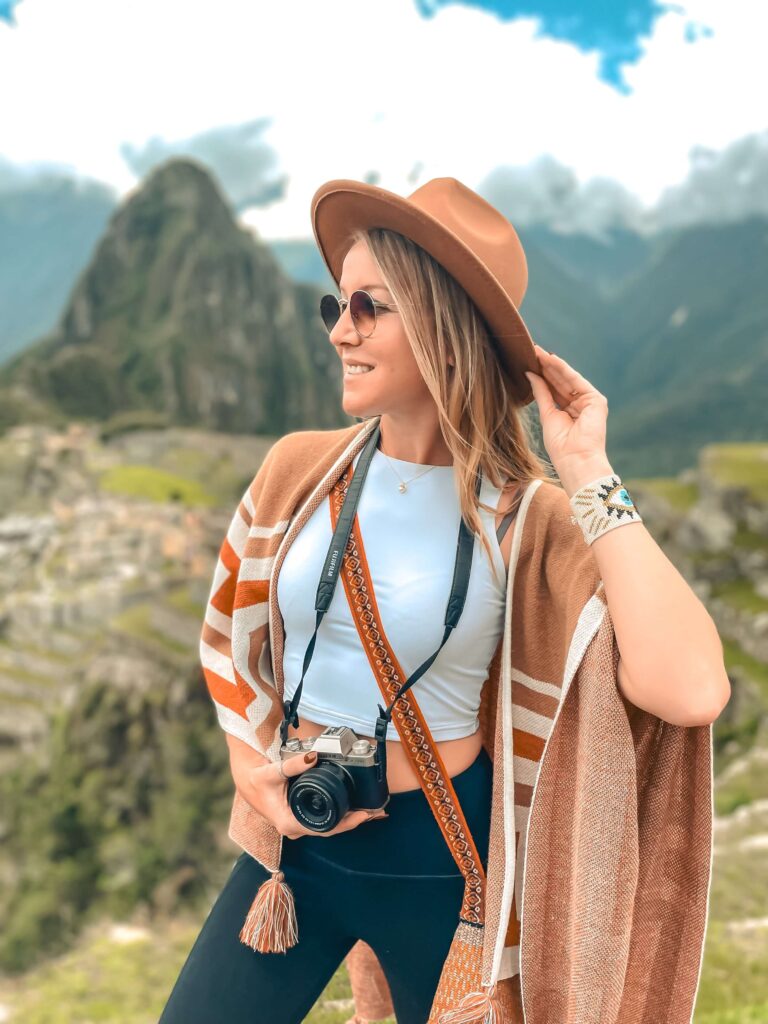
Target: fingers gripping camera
x=345, y=778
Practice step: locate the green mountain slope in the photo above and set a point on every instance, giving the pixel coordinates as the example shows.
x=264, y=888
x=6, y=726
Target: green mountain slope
x=180, y=312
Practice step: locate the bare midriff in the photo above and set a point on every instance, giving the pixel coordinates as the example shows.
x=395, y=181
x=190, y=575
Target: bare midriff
x=456, y=754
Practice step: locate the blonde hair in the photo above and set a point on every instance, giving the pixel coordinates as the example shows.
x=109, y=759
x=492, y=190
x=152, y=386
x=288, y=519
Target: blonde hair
x=480, y=420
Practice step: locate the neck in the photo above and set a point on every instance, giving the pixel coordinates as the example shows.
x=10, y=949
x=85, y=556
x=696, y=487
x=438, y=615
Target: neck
x=413, y=442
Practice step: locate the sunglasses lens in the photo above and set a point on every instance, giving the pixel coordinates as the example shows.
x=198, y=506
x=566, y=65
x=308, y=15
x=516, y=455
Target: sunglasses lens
x=329, y=311
x=361, y=309
x=363, y=312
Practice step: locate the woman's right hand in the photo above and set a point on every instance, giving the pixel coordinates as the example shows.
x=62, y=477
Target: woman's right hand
x=268, y=794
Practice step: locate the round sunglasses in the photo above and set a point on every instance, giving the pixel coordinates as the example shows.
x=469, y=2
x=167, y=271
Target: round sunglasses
x=362, y=307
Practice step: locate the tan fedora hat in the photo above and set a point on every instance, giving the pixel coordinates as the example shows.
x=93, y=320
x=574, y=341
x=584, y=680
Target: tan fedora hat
x=475, y=243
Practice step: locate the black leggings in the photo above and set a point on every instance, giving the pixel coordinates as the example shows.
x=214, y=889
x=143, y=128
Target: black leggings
x=391, y=882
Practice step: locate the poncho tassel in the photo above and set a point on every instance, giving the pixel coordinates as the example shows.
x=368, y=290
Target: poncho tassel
x=476, y=1008
x=270, y=926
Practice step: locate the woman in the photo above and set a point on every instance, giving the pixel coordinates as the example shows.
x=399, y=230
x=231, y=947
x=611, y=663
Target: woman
x=430, y=287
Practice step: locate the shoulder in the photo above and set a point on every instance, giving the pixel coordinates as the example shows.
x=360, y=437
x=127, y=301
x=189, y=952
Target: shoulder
x=548, y=508
x=298, y=456
x=545, y=509
x=313, y=443
x=554, y=544
x=552, y=504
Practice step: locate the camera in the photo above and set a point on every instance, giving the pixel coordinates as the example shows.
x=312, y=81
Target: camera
x=346, y=777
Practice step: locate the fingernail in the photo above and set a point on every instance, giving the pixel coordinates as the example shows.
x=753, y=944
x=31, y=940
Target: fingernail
x=310, y=756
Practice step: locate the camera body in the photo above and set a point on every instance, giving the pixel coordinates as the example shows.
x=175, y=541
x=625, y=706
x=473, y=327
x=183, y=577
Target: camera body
x=346, y=777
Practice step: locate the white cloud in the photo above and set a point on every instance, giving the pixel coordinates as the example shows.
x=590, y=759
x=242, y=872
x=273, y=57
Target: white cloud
x=353, y=87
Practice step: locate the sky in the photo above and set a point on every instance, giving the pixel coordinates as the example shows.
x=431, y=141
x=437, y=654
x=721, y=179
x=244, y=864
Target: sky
x=601, y=110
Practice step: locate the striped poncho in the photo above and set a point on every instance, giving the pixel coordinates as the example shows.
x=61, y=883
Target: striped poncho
x=600, y=852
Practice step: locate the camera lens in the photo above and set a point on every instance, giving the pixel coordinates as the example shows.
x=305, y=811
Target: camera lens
x=320, y=796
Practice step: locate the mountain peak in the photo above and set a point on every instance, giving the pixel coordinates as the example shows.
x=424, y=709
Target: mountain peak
x=179, y=190
x=183, y=312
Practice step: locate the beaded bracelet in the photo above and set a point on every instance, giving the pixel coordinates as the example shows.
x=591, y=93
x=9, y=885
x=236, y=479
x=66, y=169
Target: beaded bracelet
x=602, y=505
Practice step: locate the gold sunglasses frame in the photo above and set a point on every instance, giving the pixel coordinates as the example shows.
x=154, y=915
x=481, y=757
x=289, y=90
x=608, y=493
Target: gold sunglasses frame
x=376, y=306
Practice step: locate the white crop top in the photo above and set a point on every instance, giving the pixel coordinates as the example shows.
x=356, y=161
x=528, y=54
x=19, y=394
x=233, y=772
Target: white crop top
x=410, y=544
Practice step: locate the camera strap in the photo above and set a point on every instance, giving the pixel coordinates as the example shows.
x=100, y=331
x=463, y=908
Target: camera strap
x=411, y=725
x=336, y=552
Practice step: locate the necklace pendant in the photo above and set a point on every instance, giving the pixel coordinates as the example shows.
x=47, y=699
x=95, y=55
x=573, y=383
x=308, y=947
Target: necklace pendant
x=403, y=488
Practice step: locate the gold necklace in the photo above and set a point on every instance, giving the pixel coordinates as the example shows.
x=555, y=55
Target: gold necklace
x=404, y=483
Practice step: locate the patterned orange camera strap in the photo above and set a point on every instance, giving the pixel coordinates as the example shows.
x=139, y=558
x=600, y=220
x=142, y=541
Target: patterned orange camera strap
x=406, y=714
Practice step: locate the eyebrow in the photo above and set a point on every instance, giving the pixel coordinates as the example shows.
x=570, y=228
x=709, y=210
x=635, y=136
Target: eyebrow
x=368, y=287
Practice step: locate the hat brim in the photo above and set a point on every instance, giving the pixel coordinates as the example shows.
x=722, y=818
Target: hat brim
x=342, y=206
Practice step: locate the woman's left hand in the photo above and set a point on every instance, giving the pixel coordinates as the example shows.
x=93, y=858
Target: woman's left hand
x=574, y=433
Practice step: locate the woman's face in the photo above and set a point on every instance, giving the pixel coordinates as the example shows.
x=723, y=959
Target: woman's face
x=395, y=384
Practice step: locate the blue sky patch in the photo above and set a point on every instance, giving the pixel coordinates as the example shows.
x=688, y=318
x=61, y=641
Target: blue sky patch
x=614, y=28
x=6, y=10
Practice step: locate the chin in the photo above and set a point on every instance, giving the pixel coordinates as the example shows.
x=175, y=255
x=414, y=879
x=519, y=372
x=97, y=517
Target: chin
x=355, y=407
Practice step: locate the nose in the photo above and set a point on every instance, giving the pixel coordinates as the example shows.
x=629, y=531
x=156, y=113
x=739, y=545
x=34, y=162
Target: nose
x=344, y=330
